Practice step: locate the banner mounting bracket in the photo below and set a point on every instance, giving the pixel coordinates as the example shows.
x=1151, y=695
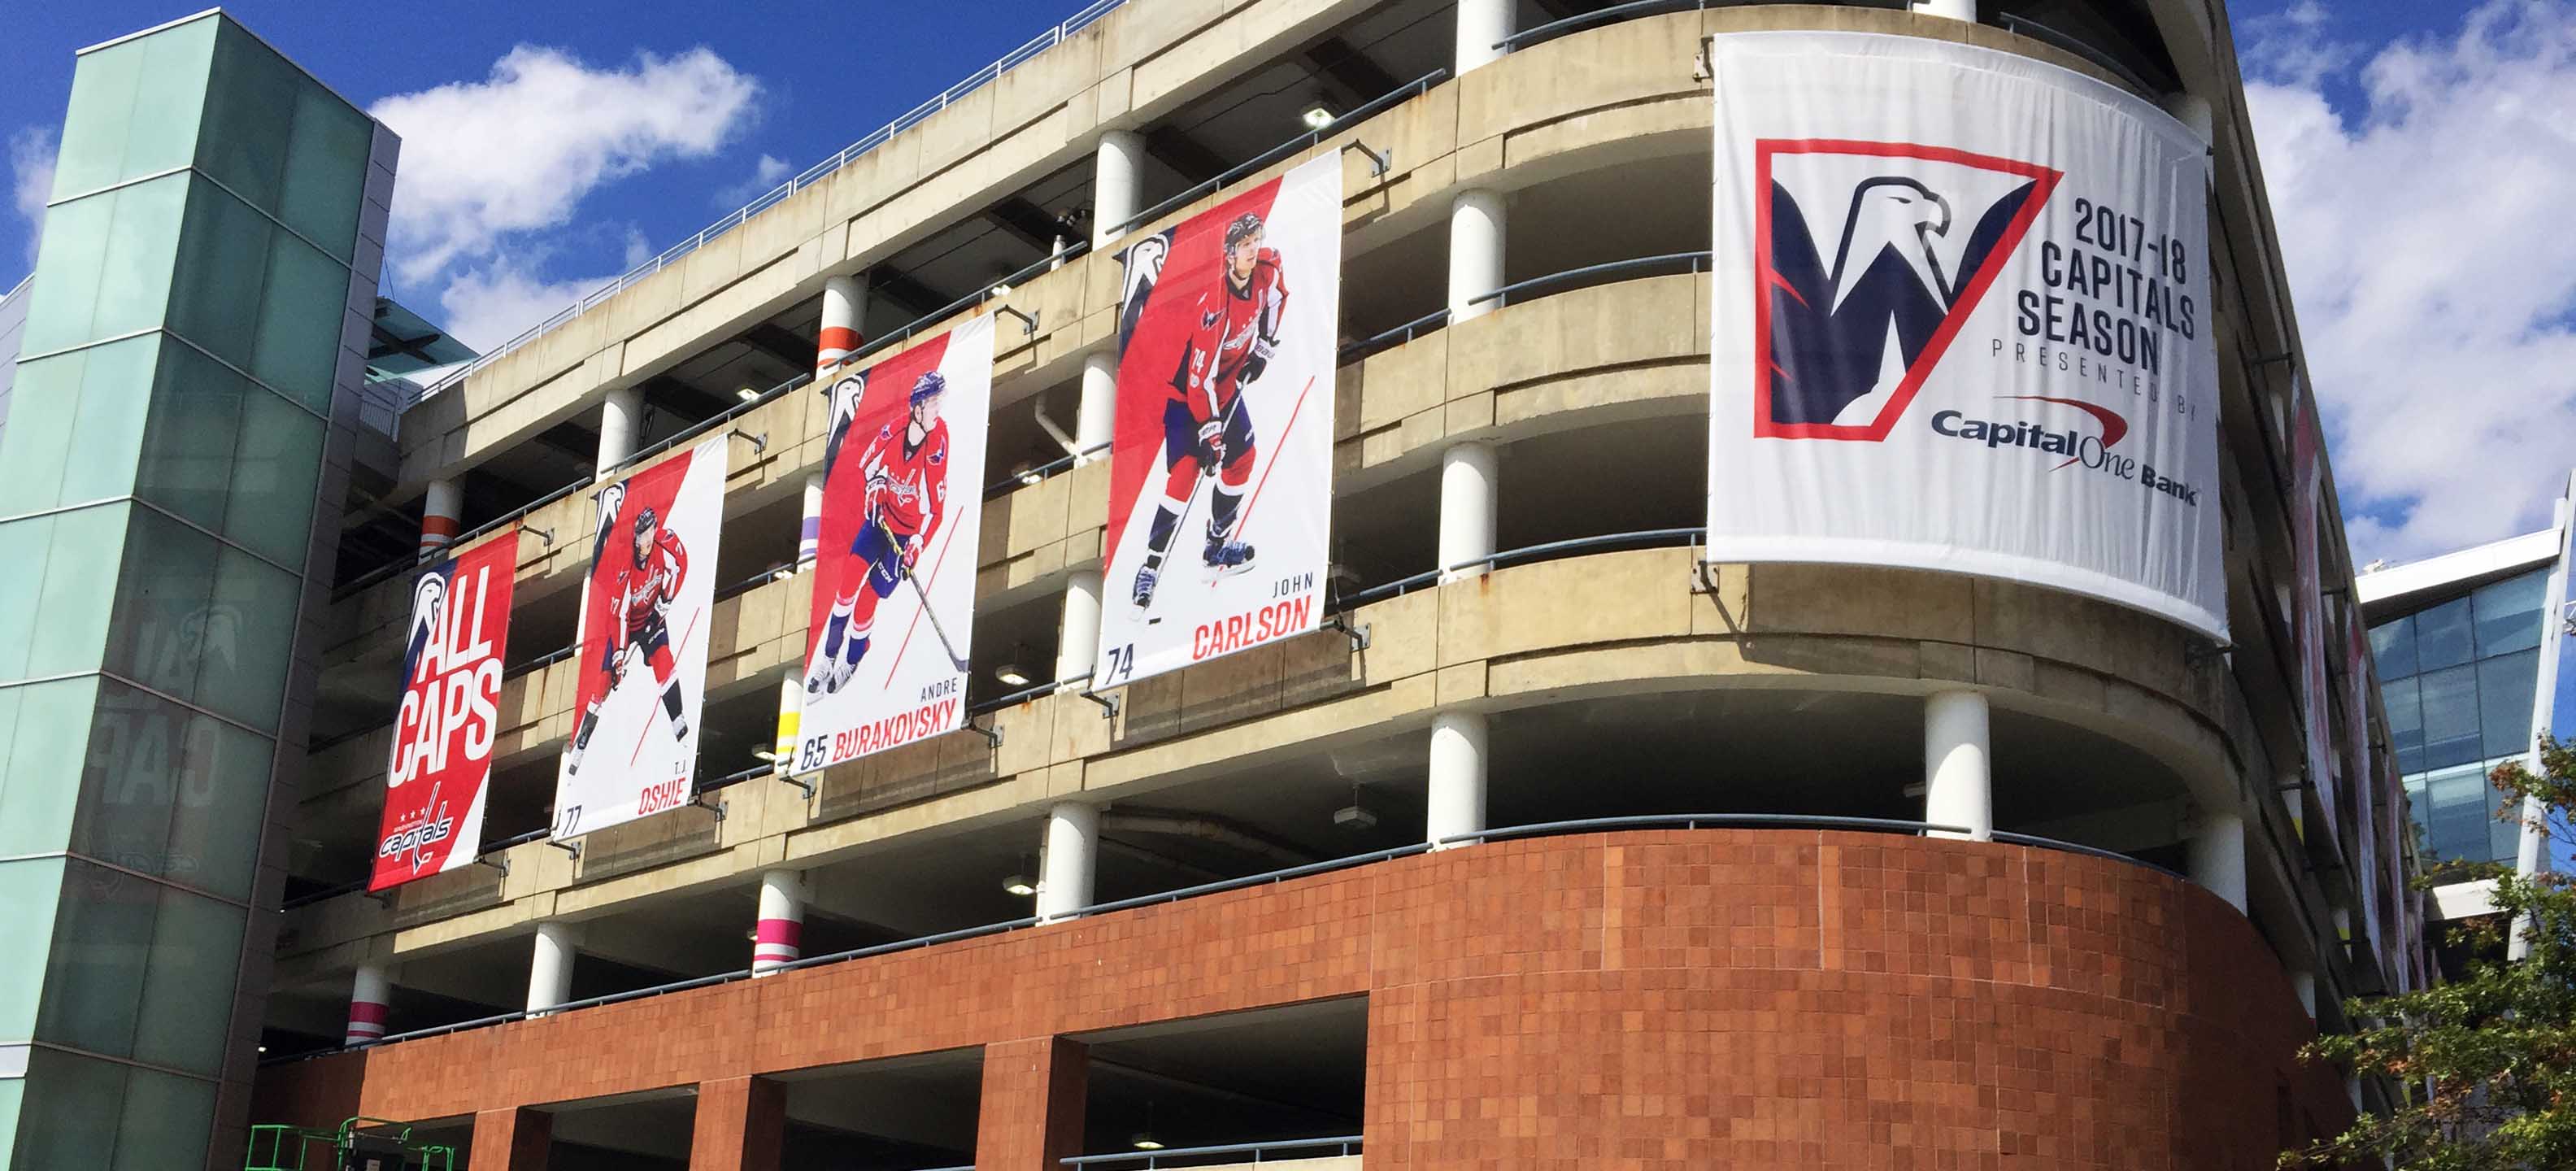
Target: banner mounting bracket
x=1379, y=164
x=1108, y=706
x=496, y=862
x=1028, y=321
x=1358, y=635
x=572, y=848
x=546, y=535
x=790, y=778
x=759, y=443
x=992, y=735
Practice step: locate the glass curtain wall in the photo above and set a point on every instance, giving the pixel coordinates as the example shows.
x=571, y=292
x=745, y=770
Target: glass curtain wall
x=2457, y=680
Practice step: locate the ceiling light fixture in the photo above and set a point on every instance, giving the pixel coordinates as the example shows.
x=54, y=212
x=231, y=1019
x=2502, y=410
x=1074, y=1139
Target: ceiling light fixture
x=1002, y=290
x=1317, y=116
x=1147, y=1142
x=1011, y=674
x=747, y=394
x=1020, y=884
x=1355, y=816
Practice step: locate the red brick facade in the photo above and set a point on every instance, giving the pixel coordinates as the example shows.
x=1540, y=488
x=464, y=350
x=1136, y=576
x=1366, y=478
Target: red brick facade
x=1660, y=999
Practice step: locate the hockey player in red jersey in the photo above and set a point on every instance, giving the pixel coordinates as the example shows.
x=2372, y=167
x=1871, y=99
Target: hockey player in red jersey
x=640, y=607
x=1207, y=427
x=906, y=469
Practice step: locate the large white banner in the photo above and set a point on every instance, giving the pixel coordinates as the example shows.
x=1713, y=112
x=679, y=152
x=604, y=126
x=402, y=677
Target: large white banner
x=645, y=612
x=1221, y=466
x=1961, y=322
x=887, y=639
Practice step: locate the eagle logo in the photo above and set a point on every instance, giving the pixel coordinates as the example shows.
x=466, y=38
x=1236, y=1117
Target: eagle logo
x=1845, y=335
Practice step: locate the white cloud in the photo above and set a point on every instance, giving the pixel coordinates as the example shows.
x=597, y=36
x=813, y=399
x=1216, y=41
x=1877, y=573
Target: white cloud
x=487, y=306
x=2426, y=237
x=769, y=172
x=31, y=179
x=516, y=152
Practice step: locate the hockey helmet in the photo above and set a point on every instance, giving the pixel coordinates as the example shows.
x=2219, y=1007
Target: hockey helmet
x=1244, y=227
x=645, y=520
x=931, y=384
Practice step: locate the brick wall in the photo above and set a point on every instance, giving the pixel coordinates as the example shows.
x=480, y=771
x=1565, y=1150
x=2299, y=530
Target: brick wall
x=1659, y=999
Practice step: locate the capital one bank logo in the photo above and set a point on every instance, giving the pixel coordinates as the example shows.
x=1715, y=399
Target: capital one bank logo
x=1868, y=257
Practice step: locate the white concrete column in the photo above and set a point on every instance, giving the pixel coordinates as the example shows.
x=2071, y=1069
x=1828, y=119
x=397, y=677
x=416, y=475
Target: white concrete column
x=620, y=417
x=2193, y=111
x=1481, y=23
x=442, y=516
x=550, y=970
x=1117, y=184
x=791, y=720
x=1468, y=502
x=369, y=994
x=1455, y=801
x=778, y=938
x=2304, y=983
x=1954, y=9
x=2217, y=853
x=845, y=313
x=1958, y=781
x=1476, y=226
x=809, y=528
x=1072, y=850
x=1095, y=417
x=1078, y=633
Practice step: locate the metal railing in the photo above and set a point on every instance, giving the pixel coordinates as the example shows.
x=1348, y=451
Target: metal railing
x=807, y=178
x=1641, y=538
x=1684, y=821
x=1339, y=1145
x=1303, y=141
x=1039, y=474
x=1617, y=12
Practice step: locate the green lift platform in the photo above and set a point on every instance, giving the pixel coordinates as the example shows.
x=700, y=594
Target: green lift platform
x=277, y=1147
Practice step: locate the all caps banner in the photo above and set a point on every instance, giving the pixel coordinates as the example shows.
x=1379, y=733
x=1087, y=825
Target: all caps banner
x=645, y=610
x=1221, y=467
x=1961, y=322
x=441, y=764
x=894, y=572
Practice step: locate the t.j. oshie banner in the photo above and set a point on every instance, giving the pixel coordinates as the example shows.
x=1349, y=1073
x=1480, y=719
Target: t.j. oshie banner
x=641, y=672
x=1961, y=322
x=1220, y=485
x=441, y=763
x=894, y=572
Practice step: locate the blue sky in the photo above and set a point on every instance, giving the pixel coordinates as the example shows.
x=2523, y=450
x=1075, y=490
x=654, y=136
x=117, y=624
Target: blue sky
x=2415, y=152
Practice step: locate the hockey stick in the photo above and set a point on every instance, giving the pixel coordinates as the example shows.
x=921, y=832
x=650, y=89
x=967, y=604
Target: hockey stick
x=676, y=649
x=954, y=658
x=1208, y=472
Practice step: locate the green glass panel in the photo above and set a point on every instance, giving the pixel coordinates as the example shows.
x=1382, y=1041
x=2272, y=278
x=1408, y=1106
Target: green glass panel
x=24, y=546
x=222, y=801
x=2508, y=613
x=73, y=604
x=43, y=407
x=300, y=313
x=273, y=478
x=189, y=449
x=40, y=784
x=135, y=108
x=30, y=893
x=115, y=400
x=72, y=1109
x=250, y=103
x=248, y=635
x=326, y=169
x=143, y=245
x=165, y=625
x=187, y=1005
x=129, y=780
x=214, y=301
x=94, y=972
x=2505, y=687
x=2392, y=644
x=70, y=258
x=96, y=123
x=12, y=1092
x=167, y=1123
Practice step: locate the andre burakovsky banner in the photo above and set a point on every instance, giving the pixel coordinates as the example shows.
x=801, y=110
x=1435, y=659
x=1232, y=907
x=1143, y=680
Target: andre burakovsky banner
x=1961, y=322
x=1220, y=487
x=894, y=567
x=441, y=763
x=642, y=665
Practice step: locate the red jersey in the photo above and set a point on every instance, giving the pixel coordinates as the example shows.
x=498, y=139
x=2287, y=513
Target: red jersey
x=907, y=486
x=1228, y=321
x=644, y=592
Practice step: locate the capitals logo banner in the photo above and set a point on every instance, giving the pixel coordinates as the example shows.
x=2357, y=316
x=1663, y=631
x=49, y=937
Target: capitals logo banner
x=437, y=775
x=1961, y=322
x=894, y=570
x=642, y=667
x=1221, y=466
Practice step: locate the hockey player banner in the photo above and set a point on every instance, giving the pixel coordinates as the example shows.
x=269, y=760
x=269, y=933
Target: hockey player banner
x=1220, y=485
x=894, y=574
x=2308, y=607
x=645, y=612
x=441, y=761
x=1961, y=322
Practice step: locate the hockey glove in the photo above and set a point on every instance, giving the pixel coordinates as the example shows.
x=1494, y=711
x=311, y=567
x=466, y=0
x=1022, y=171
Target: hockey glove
x=1212, y=443
x=1257, y=361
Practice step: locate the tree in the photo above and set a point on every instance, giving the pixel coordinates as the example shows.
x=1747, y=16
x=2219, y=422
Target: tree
x=2485, y=1065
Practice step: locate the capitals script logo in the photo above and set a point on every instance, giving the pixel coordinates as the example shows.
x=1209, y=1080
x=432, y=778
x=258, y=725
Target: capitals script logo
x=1868, y=257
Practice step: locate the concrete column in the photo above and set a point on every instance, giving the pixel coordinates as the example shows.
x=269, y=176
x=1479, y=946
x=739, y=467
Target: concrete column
x=1468, y=503
x=1095, y=418
x=778, y=939
x=809, y=530
x=1480, y=24
x=1078, y=633
x=1958, y=784
x=845, y=312
x=2193, y=111
x=369, y=994
x=741, y=1125
x=1033, y=1095
x=1954, y=9
x=441, y=517
x=2304, y=983
x=1476, y=226
x=1117, y=184
x=1455, y=803
x=1072, y=849
x=2217, y=852
x=550, y=971
x=619, y=419
x=516, y=1139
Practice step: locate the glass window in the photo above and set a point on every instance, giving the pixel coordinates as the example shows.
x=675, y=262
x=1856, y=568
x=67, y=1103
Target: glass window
x=70, y=621
x=46, y=726
x=115, y=398
x=38, y=440
x=163, y=604
x=222, y=799
x=250, y=101
x=2443, y=637
x=135, y=108
x=301, y=311
x=23, y=545
x=102, y=943
x=273, y=479
x=187, y=1005
x=2505, y=686
x=69, y=261
x=134, y=281
x=188, y=451
x=2405, y=723
x=2508, y=613
x=2459, y=807
x=326, y=169
x=30, y=892
x=2452, y=734
x=168, y=1121
x=244, y=637
x=129, y=780
x=71, y=1112
x=2392, y=646
x=214, y=301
